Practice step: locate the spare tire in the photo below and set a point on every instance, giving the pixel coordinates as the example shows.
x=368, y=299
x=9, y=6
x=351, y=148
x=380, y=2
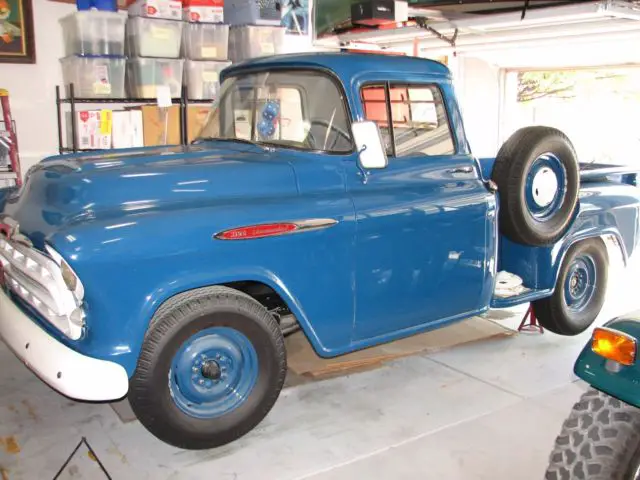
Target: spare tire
x=538, y=179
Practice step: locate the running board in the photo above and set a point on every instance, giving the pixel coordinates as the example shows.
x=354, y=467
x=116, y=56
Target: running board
x=510, y=291
x=526, y=297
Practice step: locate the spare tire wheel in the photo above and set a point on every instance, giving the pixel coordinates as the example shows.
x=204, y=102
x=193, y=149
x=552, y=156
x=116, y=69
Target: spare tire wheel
x=538, y=179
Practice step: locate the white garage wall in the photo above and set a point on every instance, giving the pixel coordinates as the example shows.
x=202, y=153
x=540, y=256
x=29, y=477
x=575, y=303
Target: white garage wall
x=478, y=88
x=32, y=87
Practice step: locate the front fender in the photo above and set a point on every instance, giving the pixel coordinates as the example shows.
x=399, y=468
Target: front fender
x=130, y=265
x=164, y=292
x=622, y=383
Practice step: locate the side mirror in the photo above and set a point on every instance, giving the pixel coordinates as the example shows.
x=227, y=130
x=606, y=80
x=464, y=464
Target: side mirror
x=370, y=146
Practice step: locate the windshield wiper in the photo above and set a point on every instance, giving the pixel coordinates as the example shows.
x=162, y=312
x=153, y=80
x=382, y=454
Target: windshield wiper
x=240, y=140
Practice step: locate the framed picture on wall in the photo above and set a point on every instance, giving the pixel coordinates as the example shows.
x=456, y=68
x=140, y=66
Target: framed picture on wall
x=17, y=41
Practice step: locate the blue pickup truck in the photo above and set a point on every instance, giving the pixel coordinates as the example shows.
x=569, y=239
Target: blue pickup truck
x=332, y=192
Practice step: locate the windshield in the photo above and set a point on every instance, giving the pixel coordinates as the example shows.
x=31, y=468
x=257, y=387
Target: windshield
x=298, y=109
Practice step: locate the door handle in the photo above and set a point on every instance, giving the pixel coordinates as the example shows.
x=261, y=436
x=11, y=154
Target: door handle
x=461, y=170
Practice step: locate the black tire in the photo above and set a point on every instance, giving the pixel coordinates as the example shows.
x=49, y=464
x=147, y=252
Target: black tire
x=600, y=440
x=175, y=322
x=512, y=166
x=553, y=313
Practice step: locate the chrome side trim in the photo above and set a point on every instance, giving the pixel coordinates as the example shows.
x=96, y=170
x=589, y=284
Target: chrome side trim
x=314, y=224
x=307, y=225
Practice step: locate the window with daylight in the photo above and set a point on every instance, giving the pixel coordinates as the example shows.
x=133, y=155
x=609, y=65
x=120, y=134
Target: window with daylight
x=419, y=120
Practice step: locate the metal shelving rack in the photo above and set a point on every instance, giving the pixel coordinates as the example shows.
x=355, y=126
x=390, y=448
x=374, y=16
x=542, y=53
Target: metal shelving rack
x=72, y=101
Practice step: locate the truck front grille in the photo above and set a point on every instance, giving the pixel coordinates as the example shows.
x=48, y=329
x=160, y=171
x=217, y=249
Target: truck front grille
x=37, y=279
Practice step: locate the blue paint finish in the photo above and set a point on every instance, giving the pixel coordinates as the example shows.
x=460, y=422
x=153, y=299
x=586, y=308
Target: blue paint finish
x=486, y=167
x=527, y=297
x=623, y=384
x=213, y=372
x=604, y=209
x=414, y=248
x=422, y=230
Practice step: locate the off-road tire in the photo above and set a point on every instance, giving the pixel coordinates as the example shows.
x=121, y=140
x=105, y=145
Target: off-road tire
x=552, y=312
x=510, y=170
x=174, y=322
x=600, y=440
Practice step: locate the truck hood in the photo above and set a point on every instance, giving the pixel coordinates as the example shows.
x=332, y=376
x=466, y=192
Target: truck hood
x=63, y=190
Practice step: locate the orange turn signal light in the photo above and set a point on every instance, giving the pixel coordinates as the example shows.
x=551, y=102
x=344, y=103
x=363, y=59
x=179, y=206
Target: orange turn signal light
x=614, y=345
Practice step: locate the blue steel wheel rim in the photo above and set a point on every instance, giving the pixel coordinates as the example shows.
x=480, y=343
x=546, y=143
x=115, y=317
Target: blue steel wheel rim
x=213, y=372
x=545, y=186
x=580, y=283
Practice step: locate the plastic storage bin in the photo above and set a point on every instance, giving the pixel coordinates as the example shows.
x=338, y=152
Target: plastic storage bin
x=252, y=12
x=250, y=41
x=203, y=78
x=154, y=37
x=94, y=33
x=94, y=77
x=205, y=41
x=144, y=75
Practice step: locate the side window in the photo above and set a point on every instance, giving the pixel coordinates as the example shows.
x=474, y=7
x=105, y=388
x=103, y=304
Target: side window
x=374, y=100
x=420, y=124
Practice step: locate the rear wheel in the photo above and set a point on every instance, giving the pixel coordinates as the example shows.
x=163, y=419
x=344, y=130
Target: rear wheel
x=580, y=290
x=212, y=366
x=600, y=440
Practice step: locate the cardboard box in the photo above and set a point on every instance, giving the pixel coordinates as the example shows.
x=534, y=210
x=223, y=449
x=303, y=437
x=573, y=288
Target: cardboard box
x=160, y=126
x=127, y=129
x=196, y=118
x=93, y=129
x=169, y=9
x=206, y=11
x=137, y=128
x=121, y=136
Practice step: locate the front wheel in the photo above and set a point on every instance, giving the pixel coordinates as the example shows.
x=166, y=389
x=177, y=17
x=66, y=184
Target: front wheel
x=600, y=440
x=211, y=367
x=580, y=290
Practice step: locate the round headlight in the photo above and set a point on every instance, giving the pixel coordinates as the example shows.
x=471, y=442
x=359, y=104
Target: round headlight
x=70, y=279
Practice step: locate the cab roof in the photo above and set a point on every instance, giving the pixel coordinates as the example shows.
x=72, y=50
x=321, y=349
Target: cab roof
x=344, y=64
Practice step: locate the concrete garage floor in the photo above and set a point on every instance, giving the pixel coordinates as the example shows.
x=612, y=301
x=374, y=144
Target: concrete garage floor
x=489, y=410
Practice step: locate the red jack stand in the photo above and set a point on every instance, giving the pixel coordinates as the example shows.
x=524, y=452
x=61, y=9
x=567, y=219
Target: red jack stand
x=533, y=324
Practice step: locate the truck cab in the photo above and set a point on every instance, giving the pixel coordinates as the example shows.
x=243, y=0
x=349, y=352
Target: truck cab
x=333, y=191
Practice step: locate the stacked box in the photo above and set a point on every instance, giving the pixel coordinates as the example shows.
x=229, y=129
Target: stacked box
x=146, y=75
x=253, y=12
x=207, y=11
x=154, y=44
x=168, y=9
x=94, y=48
x=205, y=48
x=251, y=41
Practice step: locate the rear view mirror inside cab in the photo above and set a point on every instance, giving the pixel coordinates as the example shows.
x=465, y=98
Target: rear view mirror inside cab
x=369, y=143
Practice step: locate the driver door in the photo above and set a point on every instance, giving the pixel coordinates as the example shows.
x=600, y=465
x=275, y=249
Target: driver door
x=424, y=237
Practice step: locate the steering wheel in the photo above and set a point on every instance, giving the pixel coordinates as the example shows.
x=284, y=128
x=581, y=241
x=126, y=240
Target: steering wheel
x=330, y=126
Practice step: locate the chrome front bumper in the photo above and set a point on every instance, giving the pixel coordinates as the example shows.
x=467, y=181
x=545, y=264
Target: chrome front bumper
x=65, y=370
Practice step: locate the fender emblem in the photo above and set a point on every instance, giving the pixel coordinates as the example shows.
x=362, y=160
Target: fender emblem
x=274, y=229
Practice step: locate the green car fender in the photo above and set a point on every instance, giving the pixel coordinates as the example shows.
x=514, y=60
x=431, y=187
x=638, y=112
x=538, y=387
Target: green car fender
x=615, y=379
